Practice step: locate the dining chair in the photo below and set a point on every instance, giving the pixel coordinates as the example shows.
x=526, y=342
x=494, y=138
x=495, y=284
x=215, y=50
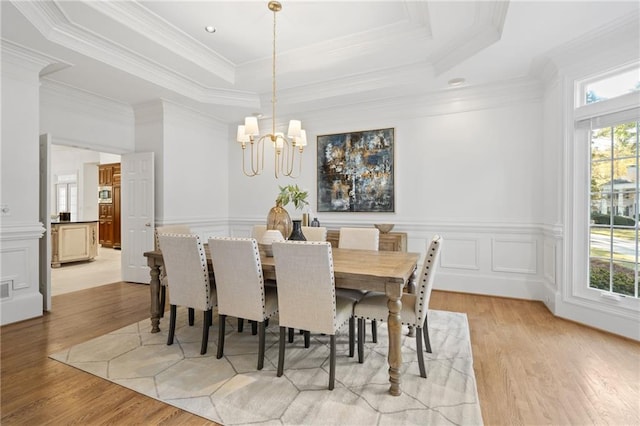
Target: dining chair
x=373, y=305
x=315, y=233
x=240, y=287
x=306, y=295
x=359, y=239
x=167, y=229
x=188, y=277
x=258, y=231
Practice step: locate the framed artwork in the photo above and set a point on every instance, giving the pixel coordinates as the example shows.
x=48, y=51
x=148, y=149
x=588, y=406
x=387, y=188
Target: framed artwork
x=355, y=171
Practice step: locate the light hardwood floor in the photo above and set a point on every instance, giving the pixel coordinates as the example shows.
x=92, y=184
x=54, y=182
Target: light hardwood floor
x=531, y=367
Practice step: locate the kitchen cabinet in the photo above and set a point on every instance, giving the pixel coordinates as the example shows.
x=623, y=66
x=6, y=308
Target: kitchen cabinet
x=109, y=213
x=73, y=241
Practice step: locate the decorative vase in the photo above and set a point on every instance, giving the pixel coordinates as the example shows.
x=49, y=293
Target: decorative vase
x=279, y=219
x=296, y=234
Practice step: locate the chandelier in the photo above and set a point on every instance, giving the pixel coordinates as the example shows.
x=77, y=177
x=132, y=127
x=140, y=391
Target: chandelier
x=285, y=146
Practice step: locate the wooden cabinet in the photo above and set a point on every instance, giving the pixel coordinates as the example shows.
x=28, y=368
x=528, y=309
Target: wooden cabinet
x=109, y=213
x=73, y=241
x=391, y=241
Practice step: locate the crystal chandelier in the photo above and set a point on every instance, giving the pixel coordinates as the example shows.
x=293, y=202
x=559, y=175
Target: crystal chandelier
x=285, y=146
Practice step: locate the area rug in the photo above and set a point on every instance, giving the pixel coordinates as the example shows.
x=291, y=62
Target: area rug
x=231, y=391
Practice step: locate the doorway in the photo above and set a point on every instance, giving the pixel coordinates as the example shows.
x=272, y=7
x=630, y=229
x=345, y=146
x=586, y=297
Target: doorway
x=80, y=166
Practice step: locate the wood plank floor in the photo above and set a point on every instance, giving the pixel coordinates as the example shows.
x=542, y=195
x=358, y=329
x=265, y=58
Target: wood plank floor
x=531, y=367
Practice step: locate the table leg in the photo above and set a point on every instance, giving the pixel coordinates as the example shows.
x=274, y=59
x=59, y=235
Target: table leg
x=394, y=293
x=154, y=286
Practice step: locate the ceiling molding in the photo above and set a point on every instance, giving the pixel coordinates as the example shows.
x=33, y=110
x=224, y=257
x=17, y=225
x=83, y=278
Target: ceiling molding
x=23, y=55
x=142, y=20
x=615, y=41
x=57, y=28
x=418, y=13
x=486, y=30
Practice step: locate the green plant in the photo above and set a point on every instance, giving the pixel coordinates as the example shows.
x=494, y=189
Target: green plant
x=292, y=194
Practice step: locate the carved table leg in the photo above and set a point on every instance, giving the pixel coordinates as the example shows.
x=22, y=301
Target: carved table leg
x=154, y=286
x=394, y=293
x=411, y=288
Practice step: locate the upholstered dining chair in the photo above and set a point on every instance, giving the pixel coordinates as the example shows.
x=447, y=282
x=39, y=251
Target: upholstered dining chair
x=186, y=268
x=306, y=295
x=240, y=287
x=359, y=239
x=315, y=233
x=258, y=231
x=373, y=305
x=167, y=229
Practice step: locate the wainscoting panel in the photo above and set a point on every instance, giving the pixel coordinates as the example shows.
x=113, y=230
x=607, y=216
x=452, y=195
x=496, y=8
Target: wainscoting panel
x=460, y=254
x=514, y=255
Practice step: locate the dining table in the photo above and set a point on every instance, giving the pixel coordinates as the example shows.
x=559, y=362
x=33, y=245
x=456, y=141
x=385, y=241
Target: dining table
x=389, y=272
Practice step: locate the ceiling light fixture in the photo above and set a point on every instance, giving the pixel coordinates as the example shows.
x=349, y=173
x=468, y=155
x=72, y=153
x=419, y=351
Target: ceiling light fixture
x=210, y=29
x=455, y=82
x=285, y=146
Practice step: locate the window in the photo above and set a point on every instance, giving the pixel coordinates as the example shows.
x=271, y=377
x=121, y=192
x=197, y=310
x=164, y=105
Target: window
x=610, y=86
x=67, y=194
x=613, y=229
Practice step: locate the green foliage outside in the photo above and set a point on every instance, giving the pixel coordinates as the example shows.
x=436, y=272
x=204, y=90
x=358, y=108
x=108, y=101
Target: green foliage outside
x=604, y=219
x=623, y=278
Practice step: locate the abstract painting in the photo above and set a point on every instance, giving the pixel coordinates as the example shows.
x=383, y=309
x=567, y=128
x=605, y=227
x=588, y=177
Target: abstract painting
x=355, y=171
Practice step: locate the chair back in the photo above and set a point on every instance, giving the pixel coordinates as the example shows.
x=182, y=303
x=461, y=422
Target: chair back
x=258, y=231
x=185, y=264
x=238, y=273
x=425, y=284
x=359, y=238
x=306, y=286
x=315, y=233
x=170, y=229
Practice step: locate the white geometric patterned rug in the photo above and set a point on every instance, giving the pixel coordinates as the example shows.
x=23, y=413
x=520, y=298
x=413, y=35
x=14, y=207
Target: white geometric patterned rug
x=231, y=391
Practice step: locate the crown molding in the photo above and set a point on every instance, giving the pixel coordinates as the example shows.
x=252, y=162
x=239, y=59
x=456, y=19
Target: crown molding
x=140, y=19
x=612, y=43
x=25, y=56
x=54, y=25
x=486, y=30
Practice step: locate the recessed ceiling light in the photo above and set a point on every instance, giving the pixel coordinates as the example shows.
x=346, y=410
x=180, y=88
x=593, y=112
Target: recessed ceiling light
x=210, y=29
x=455, y=82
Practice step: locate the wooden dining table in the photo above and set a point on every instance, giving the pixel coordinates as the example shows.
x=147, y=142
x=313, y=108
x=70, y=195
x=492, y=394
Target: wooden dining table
x=389, y=272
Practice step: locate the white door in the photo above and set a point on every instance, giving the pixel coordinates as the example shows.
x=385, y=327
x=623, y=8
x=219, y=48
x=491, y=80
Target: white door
x=137, y=214
x=45, y=219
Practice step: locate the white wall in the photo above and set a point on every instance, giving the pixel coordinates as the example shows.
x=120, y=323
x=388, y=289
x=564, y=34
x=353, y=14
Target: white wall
x=469, y=169
x=20, y=229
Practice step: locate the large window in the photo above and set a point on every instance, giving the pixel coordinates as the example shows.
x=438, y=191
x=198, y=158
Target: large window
x=614, y=183
x=67, y=194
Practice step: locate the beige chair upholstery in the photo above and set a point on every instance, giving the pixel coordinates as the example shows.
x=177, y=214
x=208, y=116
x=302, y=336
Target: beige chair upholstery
x=188, y=276
x=258, y=231
x=240, y=287
x=359, y=239
x=414, y=306
x=168, y=229
x=306, y=294
x=315, y=233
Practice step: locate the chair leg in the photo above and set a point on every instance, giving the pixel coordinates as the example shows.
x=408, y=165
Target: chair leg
x=332, y=362
x=361, y=326
x=240, y=325
x=374, y=331
x=283, y=332
x=172, y=324
x=205, y=331
x=266, y=323
x=425, y=331
x=222, y=319
x=163, y=299
x=261, y=344
x=307, y=338
x=352, y=332
x=192, y=314
x=419, y=351
x=291, y=335
x=254, y=327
